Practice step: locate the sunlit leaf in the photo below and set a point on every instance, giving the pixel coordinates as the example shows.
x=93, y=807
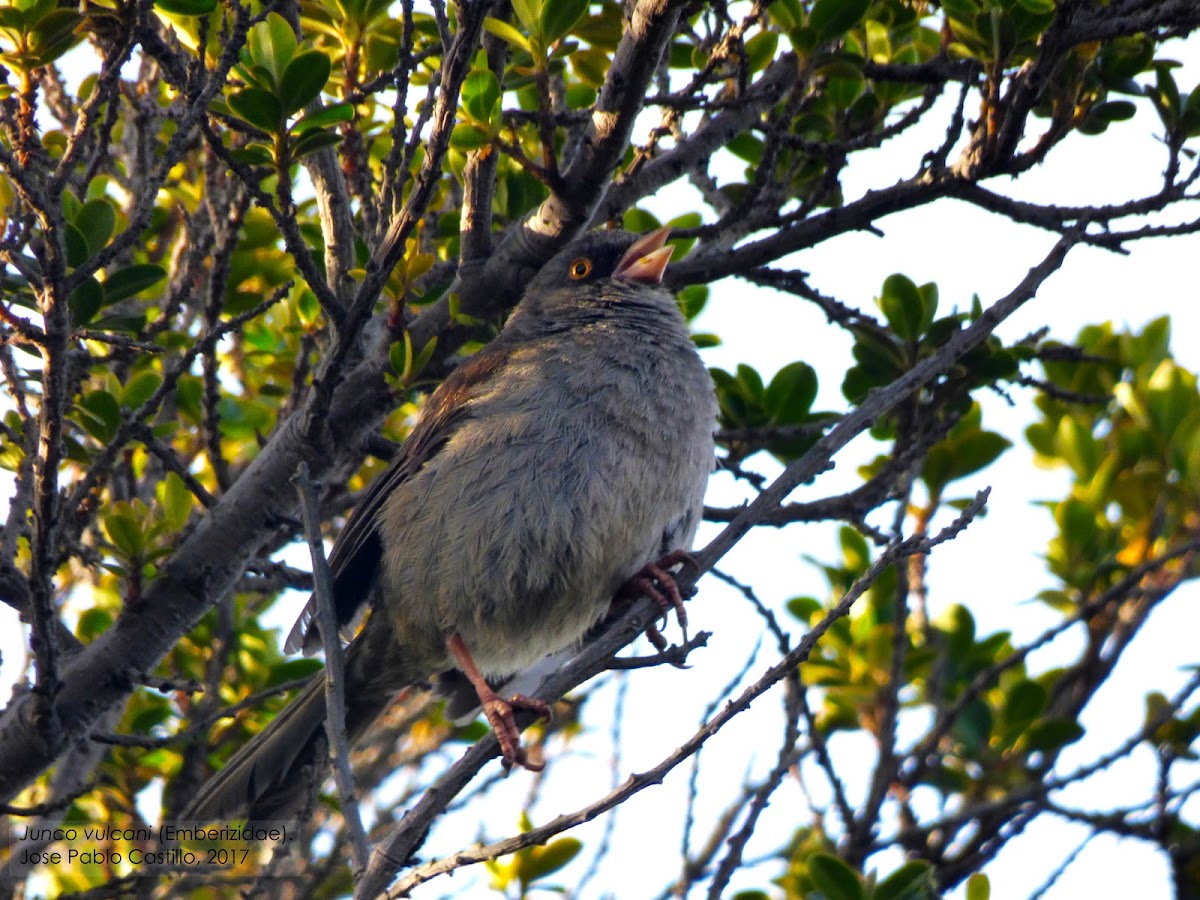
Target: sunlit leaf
x=506, y=32
x=272, y=43
x=303, y=80
x=187, y=7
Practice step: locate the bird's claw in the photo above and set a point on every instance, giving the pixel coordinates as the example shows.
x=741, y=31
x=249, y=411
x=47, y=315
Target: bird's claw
x=656, y=581
x=500, y=716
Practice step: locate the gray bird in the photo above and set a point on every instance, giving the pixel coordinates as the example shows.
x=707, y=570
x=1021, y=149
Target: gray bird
x=553, y=467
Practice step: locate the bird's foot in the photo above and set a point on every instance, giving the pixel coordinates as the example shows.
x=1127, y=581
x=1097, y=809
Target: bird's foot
x=500, y=716
x=656, y=581
x=499, y=712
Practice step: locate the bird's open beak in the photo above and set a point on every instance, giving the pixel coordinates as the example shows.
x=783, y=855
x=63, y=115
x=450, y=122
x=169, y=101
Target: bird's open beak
x=647, y=259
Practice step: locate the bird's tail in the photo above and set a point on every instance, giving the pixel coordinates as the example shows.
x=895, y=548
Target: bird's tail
x=273, y=775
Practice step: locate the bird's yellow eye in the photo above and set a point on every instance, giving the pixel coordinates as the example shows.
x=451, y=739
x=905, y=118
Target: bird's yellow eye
x=581, y=268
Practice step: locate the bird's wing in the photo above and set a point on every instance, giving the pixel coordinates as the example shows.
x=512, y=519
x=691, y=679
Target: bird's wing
x=358, y=549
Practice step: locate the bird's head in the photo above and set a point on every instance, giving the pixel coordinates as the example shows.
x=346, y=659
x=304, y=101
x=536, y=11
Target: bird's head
x=597, y=271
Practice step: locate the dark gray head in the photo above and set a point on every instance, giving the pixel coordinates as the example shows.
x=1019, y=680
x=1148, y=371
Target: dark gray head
x=598, y=271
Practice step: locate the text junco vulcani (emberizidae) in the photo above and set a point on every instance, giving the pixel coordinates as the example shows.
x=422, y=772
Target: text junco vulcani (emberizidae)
x=548, y=470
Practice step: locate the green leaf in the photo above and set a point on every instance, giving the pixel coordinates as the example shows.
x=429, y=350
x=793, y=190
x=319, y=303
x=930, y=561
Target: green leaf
x=53, y=34
x=139, y=388
x=1102, y=115
x=457, y=316
x=1164, y=93
x=683, y=246
x=975, y=451
x=12, y=24
x=314, y=140
x=147, y=711
x=802, y=609
x=259, y=108
x=978, y=887
x=334, y=114
x=1023, y=703
x=844, y=91
x=786, y=13
x=507, y=33
x=1053, y=734
x=929, y=300
x=529, y=14
x=936, y=471
x=1039, y=7
x=404, y=362
x=258, y=76
x=469, y=137
x=131, y=280
x=746, y=146
x=96, y=221
x=255, y=154
x=543, y=861
x=124, y=531
x=903, y=306
x=591, y=65
x=1124, y=57
x=272, y=45
x=1153, y=344
x=760, y=50
x=186, y=7
x=912, y=881
x=1077, y=522
x=471, y=732
x=130, y=324
x=961, y=11
x=558, y=17
x=791, y=393
x=423, y=358
x=639, y=221
x=291, y=669
x=1170, y=398
x=100, y=414
x=830, y=18
x=856, y=555
x=833, y=878
x=973, y=726
x=399, y=356
x=70, y=205
x=92, y=623
x=750, y=382
x=85, y=301
x=303, y=80
x=481, y=95
x=77, y=246
x=692, y=300
x=1074, y=444
x=176, y=501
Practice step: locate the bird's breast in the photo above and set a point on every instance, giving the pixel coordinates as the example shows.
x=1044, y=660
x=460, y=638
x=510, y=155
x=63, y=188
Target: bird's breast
x=571, y=471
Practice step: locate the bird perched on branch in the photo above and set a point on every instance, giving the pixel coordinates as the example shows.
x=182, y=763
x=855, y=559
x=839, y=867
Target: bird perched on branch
x=552, y=468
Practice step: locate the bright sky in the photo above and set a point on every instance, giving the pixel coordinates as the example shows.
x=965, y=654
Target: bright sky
x=994, y=568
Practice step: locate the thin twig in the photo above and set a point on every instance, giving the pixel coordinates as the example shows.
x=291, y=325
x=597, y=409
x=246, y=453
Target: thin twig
x=335, y=673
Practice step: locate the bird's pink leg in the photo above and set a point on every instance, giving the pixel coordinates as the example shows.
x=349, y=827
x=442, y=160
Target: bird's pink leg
x=499, y=712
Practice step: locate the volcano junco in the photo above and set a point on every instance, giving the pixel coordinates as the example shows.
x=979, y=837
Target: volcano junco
x=557, y=463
